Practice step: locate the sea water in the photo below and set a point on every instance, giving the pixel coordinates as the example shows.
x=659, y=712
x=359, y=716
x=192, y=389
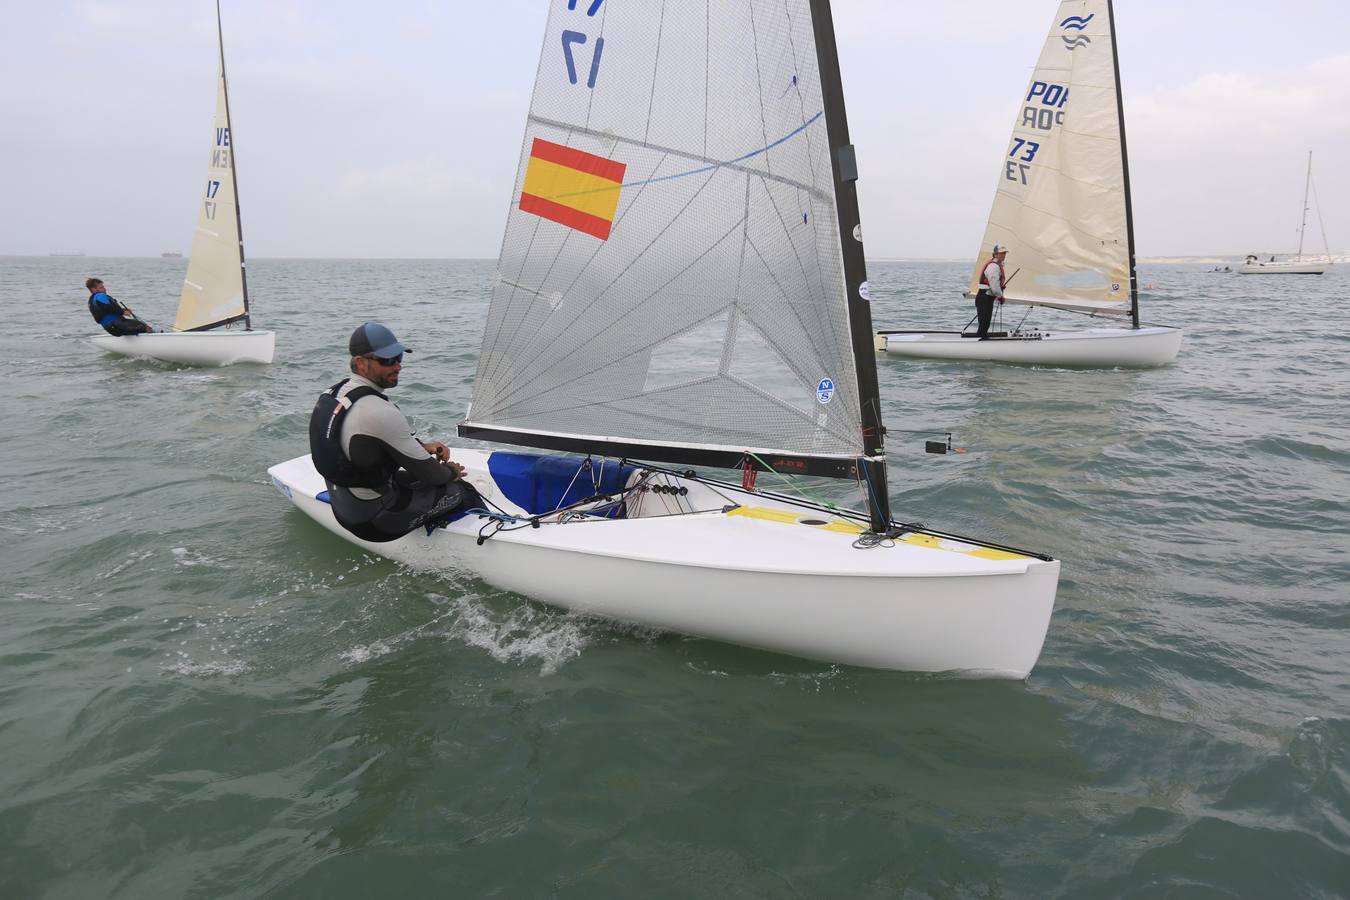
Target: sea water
x=204, y=694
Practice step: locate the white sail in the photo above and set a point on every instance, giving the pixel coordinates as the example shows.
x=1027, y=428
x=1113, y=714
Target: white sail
x=213, y=290
x=1061, y=205
x=671, y=273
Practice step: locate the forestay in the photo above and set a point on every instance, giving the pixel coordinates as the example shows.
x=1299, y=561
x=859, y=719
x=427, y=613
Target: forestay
x=671, y=273
x=214, y=290
x=1062, y=199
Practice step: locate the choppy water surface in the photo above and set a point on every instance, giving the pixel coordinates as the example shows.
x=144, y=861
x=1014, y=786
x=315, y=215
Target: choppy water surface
x=202, y=694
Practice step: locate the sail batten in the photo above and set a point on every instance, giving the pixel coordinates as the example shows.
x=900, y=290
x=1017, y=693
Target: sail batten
x=671, y=273
x=1062, y=198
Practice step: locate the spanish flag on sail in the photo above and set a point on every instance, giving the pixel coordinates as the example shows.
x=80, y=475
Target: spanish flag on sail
x=572, y=188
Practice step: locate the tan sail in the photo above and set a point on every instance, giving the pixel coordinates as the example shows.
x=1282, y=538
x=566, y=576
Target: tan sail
x=1061, y=202
x=213, y=291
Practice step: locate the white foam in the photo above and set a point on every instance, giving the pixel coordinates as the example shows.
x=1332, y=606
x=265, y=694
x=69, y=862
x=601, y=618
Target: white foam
x=527, y=633
x=365, y=652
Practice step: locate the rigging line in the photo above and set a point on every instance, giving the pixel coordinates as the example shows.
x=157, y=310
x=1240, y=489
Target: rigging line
x=872, y=502
x=791, y=482
x=575, y=476
x=727, y=490
x=1317, y=204
x=684, y=154
x=553, y=363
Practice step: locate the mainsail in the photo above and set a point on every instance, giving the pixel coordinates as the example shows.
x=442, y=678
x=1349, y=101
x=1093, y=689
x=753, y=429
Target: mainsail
x=1062, y=203
x=214, y=290
x=672, y=283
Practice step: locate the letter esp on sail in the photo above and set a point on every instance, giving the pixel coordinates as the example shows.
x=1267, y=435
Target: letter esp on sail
x=681, y=288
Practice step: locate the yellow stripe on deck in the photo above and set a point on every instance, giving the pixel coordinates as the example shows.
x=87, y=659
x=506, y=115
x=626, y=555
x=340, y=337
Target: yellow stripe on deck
x=841, y=526
x=788, y=517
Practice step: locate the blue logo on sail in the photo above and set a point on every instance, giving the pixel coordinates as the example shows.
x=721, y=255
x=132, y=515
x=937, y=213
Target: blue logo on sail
x=825, y=390
x=1075, y=23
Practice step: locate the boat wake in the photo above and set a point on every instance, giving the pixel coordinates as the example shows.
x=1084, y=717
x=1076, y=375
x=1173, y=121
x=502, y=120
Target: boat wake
x=525, y=633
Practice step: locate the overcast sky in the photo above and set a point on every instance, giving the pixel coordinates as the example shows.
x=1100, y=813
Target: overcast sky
x=392, y=130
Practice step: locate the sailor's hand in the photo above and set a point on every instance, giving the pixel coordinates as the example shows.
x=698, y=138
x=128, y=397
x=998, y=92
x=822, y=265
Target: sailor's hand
x=437, y=449
x=456, y=467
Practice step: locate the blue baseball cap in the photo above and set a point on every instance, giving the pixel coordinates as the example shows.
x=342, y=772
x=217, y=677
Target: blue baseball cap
x=373, y=339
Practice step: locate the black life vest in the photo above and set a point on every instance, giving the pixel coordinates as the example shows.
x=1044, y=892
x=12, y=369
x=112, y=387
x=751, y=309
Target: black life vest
x=325, y=439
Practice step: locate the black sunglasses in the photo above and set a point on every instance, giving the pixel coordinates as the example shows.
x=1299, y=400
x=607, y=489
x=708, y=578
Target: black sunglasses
x=390, y=361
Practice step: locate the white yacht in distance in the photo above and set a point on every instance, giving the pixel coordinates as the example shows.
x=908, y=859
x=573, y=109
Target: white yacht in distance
x=1298, y=265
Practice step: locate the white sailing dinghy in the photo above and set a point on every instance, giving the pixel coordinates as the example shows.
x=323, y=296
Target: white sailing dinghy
x=1063, y=207
x=681, y=283
x=215, y=290
x=1298, y=265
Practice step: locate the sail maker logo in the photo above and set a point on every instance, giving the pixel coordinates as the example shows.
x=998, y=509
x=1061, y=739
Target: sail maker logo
x=572, y=188
x=1076, y=24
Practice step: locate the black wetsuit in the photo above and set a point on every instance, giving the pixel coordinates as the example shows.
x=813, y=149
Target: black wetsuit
x=408, y=487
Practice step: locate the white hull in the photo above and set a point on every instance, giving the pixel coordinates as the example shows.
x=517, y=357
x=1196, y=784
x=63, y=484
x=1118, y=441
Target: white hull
x=1284, y=268
x=754, y=576
x=194, y=348
x=1089, y=347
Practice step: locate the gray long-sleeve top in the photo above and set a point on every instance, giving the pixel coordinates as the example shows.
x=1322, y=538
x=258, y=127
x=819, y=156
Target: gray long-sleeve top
x=375, y=431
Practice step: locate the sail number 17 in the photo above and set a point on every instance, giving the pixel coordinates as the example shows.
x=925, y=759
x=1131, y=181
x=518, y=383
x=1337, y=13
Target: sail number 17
x=572, y=39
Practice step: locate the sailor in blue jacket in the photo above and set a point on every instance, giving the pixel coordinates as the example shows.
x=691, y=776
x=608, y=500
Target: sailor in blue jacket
x=112, y=314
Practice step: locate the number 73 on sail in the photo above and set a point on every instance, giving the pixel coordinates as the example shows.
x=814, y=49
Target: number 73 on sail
x=681, y=289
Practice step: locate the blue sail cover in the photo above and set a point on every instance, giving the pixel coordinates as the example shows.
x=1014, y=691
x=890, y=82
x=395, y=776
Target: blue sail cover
x=540, y=483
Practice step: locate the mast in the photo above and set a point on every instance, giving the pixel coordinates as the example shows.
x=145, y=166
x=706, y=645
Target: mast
x=234, y=175
x=1307, y=183
x=1125, y=165
x=845, y=165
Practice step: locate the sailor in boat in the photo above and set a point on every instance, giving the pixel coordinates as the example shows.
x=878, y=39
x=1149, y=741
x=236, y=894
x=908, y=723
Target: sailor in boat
x=382, y=481
x=992, y=281
x=115, y=317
